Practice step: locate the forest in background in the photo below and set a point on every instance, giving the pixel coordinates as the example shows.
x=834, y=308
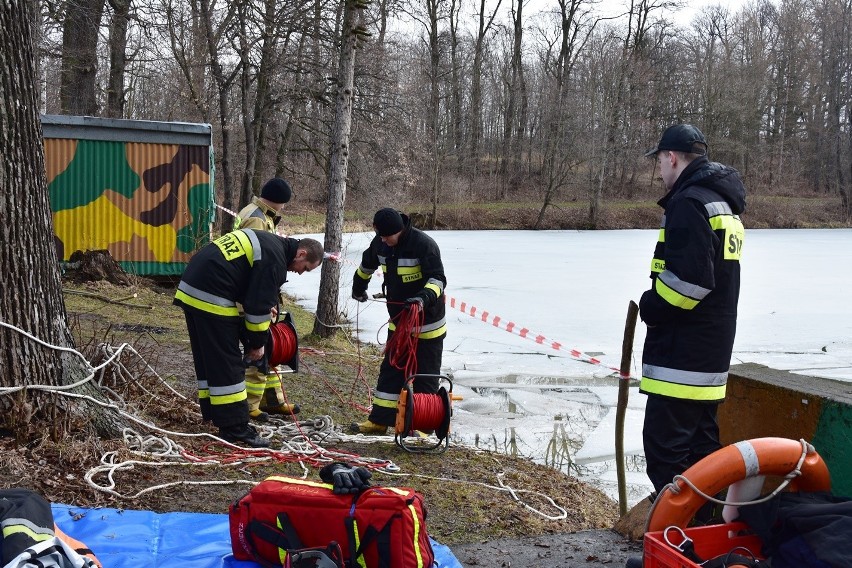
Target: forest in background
x=463, y=101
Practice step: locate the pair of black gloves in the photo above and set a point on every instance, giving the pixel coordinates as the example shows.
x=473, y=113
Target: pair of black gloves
x=345, y=478
x=419, y=298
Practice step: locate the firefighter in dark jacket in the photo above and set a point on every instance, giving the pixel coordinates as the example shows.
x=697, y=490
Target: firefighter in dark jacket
x=691, y=307
x=246, y=267
x=263, y=386
x=413, y=275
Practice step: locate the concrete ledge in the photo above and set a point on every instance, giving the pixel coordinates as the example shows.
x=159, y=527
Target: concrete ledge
x=767, y=402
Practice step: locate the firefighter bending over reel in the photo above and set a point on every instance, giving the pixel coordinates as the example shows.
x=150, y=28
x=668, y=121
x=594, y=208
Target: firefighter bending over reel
x=247, y=267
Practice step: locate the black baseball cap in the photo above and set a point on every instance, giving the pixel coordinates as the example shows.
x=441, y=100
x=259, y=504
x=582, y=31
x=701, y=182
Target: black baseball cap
x=681, y=138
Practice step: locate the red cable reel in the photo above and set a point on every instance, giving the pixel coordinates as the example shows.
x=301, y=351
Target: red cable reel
x=282, y=347
x=424, y=412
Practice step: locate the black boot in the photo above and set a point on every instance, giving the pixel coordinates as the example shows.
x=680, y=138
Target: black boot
x=244, y=433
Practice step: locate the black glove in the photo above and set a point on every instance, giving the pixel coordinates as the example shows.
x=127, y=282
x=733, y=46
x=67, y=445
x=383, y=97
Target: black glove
x=346, y=478
x=359, y=289
x=261, y=364
x=420, y=298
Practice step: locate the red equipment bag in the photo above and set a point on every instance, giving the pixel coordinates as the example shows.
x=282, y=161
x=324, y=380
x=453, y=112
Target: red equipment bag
x=381, y=527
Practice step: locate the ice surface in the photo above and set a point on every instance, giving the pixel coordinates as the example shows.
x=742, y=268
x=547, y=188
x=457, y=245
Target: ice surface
x=573, y=287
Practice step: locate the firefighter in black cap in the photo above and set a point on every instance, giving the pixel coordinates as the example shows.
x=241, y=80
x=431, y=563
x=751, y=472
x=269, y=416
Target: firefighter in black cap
x=264, y=211
x=691, y=305
x=413, y=274
x=263, y=386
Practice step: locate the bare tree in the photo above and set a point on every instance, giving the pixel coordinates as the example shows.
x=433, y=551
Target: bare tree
x=35, y=341
x=338, y=166
x=456, y=119
x=434, y=14
x=574, y=31
x=485, y=21
x=515, y=113
x=117, y=57
x=79, y=56
x=214, y=32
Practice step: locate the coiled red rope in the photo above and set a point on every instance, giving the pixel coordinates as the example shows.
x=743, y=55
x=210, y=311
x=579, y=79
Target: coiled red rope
x=429, y=412
x=284, y=343
x=402, y=345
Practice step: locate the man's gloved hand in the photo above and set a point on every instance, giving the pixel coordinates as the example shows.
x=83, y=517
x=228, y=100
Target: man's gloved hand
x=359, y=289
x=346, y=478
x=256, y=358
x=420, y=298
x=261, y=364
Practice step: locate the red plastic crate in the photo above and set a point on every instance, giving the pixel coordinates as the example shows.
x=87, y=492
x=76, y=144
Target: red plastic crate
x=709, y=542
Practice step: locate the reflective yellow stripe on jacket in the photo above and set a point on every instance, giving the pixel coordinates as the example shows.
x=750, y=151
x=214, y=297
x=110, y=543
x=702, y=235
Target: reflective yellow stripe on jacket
x=676, y=383
x=428, y=331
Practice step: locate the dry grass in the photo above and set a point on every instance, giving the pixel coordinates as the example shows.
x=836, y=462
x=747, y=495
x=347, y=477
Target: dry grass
x=461, y=486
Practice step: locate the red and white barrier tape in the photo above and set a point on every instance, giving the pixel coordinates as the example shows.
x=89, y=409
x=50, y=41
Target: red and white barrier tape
x=496, y=321
x=226, y=210
x=524, y=332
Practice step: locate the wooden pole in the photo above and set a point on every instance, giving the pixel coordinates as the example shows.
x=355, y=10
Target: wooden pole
x=621, y=408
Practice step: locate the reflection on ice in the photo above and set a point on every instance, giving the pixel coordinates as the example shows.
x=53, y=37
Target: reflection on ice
x=549, y=420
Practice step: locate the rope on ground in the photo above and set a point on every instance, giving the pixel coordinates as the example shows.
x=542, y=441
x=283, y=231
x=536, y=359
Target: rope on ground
x=157, y=448
x=300, y=441
x=501, y=487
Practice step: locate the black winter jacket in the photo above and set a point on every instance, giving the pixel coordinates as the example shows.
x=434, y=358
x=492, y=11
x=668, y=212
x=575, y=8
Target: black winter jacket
x=412, y=268
x=691, y=308
x=246, y=267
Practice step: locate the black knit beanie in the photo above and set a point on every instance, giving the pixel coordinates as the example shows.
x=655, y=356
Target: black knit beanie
x=276, y=190
x=388, y=222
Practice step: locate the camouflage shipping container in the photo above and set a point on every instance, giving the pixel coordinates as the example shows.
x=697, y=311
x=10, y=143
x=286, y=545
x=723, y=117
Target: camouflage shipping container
x=142, y=190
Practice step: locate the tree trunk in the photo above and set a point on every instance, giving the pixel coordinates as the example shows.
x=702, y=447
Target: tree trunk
x=250, y=123
x=327, y=317
x=31, y=304
x=476, y=83
x=509, y=142
x=223, y=84
x=455, y=108
x=433, y=9
x=80, y=57
x=117, y=57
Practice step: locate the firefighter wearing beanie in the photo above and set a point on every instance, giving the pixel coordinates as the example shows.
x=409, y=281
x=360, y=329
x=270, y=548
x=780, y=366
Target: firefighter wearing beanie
x=264, y=211
x=413, y=274
x=263, y=388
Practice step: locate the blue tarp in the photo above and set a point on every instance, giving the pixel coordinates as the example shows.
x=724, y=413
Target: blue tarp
x=143, y=539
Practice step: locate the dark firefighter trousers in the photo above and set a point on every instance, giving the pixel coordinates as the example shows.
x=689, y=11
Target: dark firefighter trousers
x=392, y=380
x=218, y=360
x=677, y=434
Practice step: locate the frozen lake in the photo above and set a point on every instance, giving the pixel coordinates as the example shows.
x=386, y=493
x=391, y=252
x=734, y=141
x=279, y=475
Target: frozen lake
x=573, y=287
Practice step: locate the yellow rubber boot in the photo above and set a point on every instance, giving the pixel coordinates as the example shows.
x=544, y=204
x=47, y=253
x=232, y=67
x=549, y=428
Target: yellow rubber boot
x=282, y=409
x=258, y=415
x=272, y=398
x=255, y=383
x=368, y=427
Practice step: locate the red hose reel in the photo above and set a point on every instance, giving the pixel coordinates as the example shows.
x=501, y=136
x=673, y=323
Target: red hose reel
x=424, y=412
x=282, y=347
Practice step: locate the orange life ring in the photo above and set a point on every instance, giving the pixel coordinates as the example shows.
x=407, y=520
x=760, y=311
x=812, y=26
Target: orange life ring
x=760, y=456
